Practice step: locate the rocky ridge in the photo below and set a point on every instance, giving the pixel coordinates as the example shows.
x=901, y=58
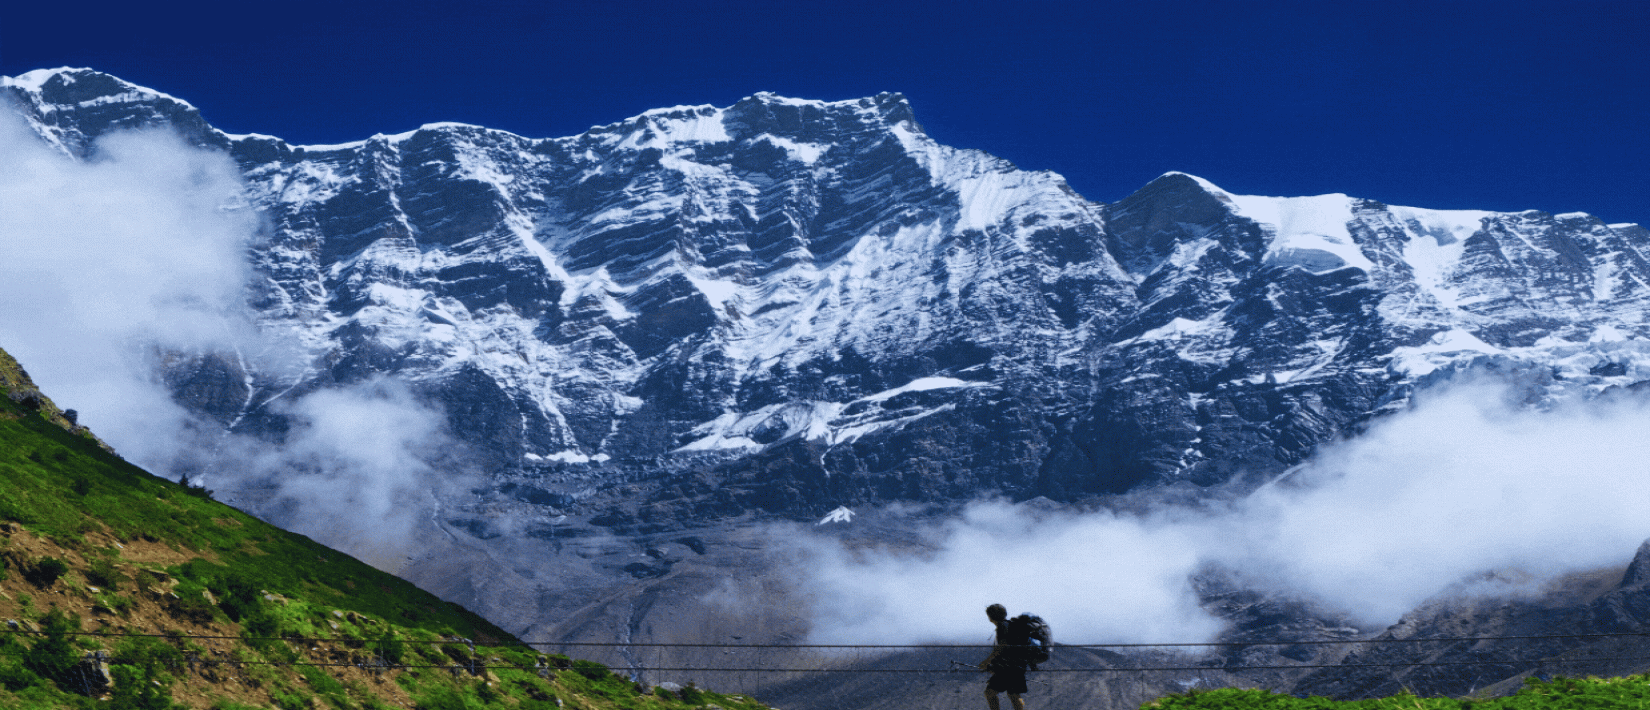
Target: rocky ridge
x=818, y=291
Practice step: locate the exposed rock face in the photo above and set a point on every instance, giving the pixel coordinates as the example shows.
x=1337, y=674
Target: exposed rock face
x=1584, y=624
x=845, y=311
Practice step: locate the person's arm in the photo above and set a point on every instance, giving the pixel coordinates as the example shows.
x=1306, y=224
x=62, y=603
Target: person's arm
x=996, y=648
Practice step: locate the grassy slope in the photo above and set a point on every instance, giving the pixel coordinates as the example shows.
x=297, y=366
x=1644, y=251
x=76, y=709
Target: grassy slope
x=91, y=543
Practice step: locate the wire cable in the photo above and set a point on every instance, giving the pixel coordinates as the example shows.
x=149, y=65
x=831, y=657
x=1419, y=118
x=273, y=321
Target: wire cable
x=645, y=644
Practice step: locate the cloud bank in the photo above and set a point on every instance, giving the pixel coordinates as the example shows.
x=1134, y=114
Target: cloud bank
x=139, y=254
x=105, y=260
x=357, y=469
x=1432, y=498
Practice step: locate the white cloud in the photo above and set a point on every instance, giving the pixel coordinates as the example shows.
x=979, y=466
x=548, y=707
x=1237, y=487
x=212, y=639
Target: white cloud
x=1096, y=576
x=357, y=469
x=140, y=253
x=1460, y=485
x=138, y=248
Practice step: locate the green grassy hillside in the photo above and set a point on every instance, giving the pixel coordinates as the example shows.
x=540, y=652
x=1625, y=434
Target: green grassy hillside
x=122, y=590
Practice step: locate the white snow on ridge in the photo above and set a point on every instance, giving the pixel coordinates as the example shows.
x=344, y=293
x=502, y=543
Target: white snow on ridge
x=1309, y=232
x=1607, y=334
x=307, y=183
x=34, y=81
x=771, y=97
x=391, y=138
x=659, y=129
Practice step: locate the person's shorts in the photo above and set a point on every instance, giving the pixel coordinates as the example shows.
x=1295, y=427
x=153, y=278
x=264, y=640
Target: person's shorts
x=1007, y=680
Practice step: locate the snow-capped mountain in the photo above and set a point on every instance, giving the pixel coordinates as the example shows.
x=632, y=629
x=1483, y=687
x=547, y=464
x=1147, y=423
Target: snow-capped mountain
x=817, y=305
x=704, y=316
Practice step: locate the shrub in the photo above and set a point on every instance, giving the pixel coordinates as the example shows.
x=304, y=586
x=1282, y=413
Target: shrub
x=590, y=669
x=45, y=571
x=117, y=603
x=260, y=624
x=145, y=581
x=388, y=647
x=320, y=681
x=16, y=676
x=191, y=605
x=138, y=689
x=288, y=701
x=52, y=657
x=237, y=597
x=147, y=652
x=103, y=574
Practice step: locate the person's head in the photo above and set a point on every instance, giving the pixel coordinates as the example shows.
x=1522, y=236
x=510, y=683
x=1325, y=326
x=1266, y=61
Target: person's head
x=996, y=613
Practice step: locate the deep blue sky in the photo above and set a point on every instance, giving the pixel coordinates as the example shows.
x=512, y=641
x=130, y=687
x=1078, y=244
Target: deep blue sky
x=1486, y=105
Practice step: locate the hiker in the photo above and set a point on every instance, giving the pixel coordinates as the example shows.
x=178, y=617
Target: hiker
x=1008, y=667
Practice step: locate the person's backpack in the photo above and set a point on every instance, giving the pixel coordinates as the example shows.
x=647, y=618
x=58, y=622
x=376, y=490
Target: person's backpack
x=1030, y=638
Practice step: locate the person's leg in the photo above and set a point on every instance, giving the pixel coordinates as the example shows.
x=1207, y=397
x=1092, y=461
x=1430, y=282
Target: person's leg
x=1014, y=699
x=991, y=698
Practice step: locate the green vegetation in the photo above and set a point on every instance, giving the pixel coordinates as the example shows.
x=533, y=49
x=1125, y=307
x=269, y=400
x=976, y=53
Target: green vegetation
x=61, y=484
x=124, y=591
x=1556, y=694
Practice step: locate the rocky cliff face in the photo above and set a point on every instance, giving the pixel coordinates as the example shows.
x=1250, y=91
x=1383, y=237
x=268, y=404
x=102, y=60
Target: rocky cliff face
x=834, y=309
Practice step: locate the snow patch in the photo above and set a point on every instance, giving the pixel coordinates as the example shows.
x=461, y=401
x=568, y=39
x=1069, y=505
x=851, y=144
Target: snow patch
x=801, y=152
x=1308, y=232
x=1181, y=328
x=717, y=292
x=568, y=456
x=825, y=422
x=923, y=384
x=772, y=98
x=841, y=515
x=1443, y=348
x=1607, y=334
x=1438, y=240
